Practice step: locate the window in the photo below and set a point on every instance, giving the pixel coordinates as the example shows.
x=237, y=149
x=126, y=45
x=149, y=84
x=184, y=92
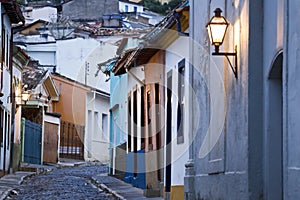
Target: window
x=126, y=8
x=8, y=131
x=129, y=124
x=180, y=106
x=104, y=126
x=143, y=124
x=148, y=96
x=7, y=51
x=158, y=117
x=135, y=9
x=96, y=124
x=1, y=126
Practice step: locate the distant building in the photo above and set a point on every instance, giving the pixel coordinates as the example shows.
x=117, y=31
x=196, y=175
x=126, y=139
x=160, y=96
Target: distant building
x=126, y=6
x=89, y=10
x=164, y=1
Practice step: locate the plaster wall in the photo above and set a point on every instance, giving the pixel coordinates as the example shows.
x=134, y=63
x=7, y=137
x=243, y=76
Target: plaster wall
x=6, y=98
x=273, y=44
x=223, y=171
x=48, y=14
x=291, y=93
x=97, y=105
x=177, y=51
x=72, y=102
x=78, y=59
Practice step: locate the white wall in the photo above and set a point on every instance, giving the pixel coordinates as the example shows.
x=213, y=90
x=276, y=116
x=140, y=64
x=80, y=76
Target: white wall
x=48, y=14
x=291, y=100
x=122, y=5
x=44, y=53
x=177, y=51
x=96, y=142
x=6, y=99
x=74, y=55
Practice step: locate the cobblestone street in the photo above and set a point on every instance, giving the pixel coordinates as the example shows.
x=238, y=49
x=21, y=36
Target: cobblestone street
x=64, y=183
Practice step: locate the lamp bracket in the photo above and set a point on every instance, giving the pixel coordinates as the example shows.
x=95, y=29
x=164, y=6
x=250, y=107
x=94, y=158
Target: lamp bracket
x=226, y=54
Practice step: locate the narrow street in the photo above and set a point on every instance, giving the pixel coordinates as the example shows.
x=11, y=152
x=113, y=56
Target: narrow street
x=64, y=183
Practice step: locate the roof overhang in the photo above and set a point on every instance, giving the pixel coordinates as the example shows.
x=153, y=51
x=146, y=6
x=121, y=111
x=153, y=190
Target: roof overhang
x=13, y=11
x=162, y=36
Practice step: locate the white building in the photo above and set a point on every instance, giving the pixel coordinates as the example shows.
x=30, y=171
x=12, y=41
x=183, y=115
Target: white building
x=97, y=127
x=10, y=14
x=126, y=6
x=75, y=58
x=47, y=13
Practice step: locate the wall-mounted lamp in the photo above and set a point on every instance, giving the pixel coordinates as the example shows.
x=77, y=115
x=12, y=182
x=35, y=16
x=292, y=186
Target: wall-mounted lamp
x=23, y=97
x=217, y=28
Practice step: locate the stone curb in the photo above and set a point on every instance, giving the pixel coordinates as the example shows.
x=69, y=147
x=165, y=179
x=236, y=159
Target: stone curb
x=8, y=190
x=107, y=189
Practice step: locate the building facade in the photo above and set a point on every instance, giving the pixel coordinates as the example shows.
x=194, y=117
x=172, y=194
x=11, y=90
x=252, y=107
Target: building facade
x=252, y=155
x=10, y=14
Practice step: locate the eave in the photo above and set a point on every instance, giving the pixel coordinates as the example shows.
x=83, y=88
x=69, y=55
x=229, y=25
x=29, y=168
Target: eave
x=13, y=11
x=158, y=39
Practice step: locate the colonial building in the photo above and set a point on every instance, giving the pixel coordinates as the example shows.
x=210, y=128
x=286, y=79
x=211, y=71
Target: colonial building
x=85, y=120
x=244, y=143
x=10, y=14
x=156, y=112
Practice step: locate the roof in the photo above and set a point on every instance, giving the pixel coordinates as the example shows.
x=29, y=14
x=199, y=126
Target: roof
x=32, y=77
x=13, y=11
x=79, y=83
x=19, y=29
x=159, y=38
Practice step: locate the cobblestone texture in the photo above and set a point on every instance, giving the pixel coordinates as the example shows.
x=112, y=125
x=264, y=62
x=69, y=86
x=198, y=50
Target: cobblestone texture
x=66, y=183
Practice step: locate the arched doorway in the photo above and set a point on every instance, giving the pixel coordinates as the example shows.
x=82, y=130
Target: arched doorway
x=274, y=132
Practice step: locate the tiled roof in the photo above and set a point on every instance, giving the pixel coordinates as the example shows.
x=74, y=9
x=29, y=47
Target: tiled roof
x=32, y=77
x=13, y=11
x=150, y=44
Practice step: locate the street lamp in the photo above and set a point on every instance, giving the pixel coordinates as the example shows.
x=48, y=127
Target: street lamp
x=22, y=96
x=217, y=28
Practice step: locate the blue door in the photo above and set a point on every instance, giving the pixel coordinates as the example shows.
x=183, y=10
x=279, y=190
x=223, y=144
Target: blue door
x=32, y=142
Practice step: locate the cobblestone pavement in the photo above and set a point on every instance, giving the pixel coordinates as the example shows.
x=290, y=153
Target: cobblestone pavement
x=66, y=183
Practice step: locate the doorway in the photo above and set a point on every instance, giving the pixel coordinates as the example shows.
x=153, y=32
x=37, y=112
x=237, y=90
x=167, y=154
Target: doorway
x=274, y=132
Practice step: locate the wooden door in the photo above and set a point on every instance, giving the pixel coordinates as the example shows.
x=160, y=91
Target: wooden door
x=50, y=143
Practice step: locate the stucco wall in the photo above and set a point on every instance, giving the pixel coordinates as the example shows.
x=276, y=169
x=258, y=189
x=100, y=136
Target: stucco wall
x=74, y=56
x=72, y=101
x=221, y=172
x=291, y=99
x=177, y=51
x=97, y=142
